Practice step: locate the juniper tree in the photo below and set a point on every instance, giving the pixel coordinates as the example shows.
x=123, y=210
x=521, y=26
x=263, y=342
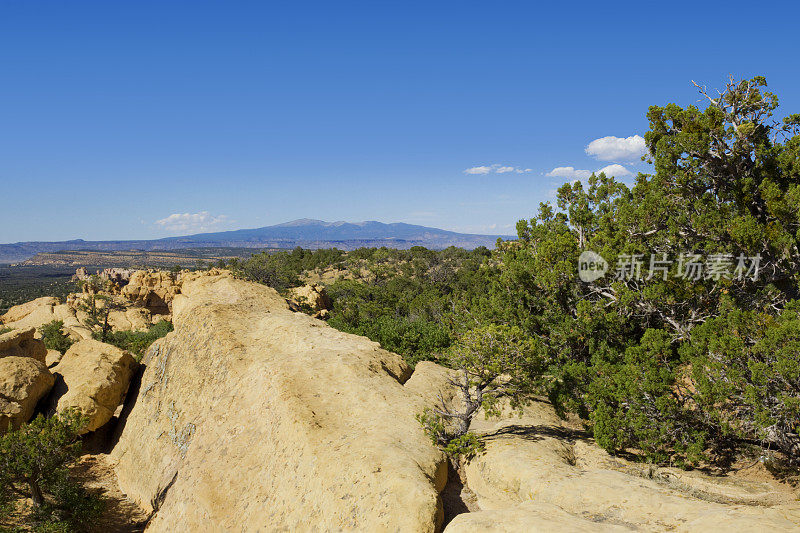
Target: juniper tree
x=491, y=363
x=726, y=184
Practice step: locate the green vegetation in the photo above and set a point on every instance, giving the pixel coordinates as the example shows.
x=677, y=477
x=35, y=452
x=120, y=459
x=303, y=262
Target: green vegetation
x=410, y=301
x=34, y=463
x=282, y=270
x=493, y=363
x=682, y=368
x=686, y=352
x=20, y=284
x=685, y=361
x=97, y=308
x=54, y=337
x=137, y=342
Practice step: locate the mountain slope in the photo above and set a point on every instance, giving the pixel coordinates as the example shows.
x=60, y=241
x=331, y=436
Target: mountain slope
x=307, y=233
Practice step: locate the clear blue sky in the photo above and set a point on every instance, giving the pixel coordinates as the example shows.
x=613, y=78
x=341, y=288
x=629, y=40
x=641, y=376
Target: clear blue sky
x=115, y=115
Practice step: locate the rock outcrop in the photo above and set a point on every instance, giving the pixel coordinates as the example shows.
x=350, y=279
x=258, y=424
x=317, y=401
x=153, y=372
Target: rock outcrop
x=24, y=378
x=23, y=382
x=41, y=311
x=93, y=377
x=311, y=299
x=252, y=418
x=35, y=313
x=153, y=290
x=131, y=319
x=133, y=316
x=53, y=358
x=539, y=475
x=117, y=276
x=21, y=343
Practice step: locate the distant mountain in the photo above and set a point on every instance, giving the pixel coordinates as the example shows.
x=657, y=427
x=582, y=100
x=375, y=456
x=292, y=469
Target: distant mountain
x=305, y=232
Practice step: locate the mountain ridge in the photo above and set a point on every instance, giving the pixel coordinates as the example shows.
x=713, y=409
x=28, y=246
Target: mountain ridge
x=305, y=232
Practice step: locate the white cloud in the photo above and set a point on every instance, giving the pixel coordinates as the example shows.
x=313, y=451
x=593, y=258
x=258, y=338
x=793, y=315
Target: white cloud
x=617, y=148
x=191, y=222
x=478, y=170
x=615, y=170
x=569, y=173
x=572, y=173
x=496, y=168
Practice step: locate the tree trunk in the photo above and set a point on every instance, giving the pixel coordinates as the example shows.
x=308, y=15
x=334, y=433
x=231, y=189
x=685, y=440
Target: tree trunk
x=463, y=426
x=36, y=493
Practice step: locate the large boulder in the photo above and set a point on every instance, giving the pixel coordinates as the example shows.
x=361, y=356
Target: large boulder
x=252, y=418
x=41, y=311
x=153, y=290
x=23, y=382
x=310, y=298
x=132, y=319
x=21, y=343
x=92, y=376
x=539, y=474
x=37, y=313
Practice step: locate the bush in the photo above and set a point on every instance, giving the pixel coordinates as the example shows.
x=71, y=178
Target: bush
x=493, y=363
x=638, y=403
x=54, y=337
x=410, y=301
x=456, y=447
x=675, y=365
x=746, y=368
x=34, y=462
x=137, y=342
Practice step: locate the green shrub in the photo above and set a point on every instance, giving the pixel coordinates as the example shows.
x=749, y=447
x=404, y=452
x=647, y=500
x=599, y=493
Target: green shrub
x=437, y=428
x=137, y=342
x=747, y=371
x=493, y=363
x=679, y=367
x=34, y=462
x=54, y=337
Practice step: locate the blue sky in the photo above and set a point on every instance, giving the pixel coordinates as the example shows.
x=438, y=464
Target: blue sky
x=220, y=115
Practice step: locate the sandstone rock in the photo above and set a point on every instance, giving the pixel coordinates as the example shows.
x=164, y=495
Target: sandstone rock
x=153, y=290
x=21, y=343
x=155, y=319
x=431, y=382
x=122, y=319
x=134, y=319
x=41, y=311
x=19, y=312
x=530, y=517
x=94, y=377
x=310, y=298
x=23, y=382
x=252, y=418
x=81, y=274
x=53, y=358
x=535, y=463
x=118, y=276
x=35, y=313
x=76, y=330
x=115, y=278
